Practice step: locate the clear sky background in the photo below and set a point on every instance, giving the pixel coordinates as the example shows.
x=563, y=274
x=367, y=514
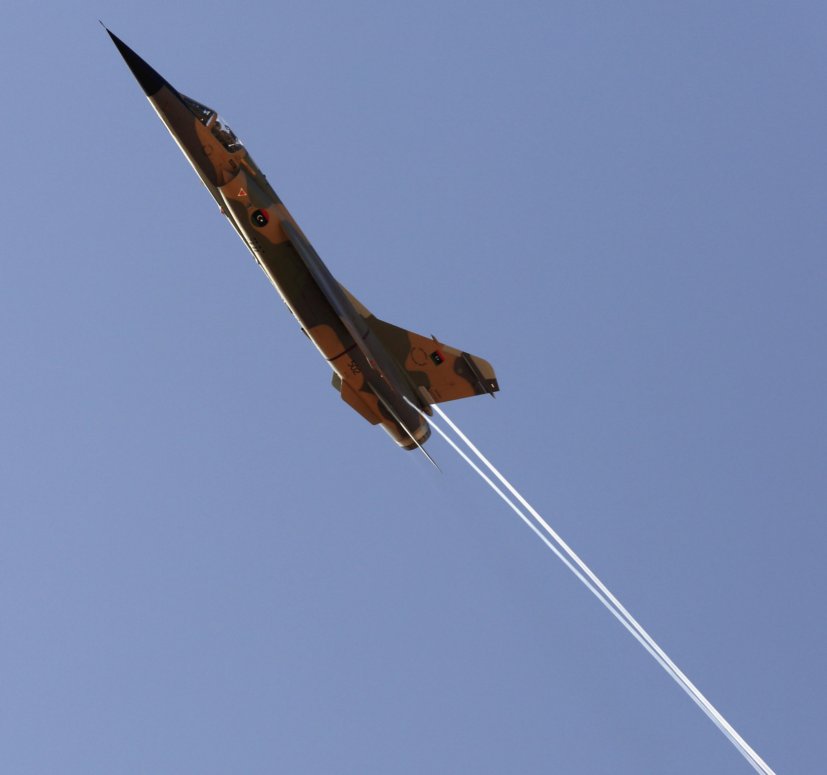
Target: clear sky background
x=210, y=564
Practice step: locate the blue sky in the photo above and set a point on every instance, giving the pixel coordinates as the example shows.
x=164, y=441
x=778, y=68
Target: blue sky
x=209, y=563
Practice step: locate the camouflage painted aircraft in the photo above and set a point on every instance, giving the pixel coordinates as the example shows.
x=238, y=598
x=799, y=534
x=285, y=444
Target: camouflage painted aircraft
x=387, y=374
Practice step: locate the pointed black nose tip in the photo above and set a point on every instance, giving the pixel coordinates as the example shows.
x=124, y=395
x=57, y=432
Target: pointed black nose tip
x=149, y=79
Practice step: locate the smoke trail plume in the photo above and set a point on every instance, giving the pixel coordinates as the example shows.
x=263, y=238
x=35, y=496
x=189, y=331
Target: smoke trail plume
x=576, y=565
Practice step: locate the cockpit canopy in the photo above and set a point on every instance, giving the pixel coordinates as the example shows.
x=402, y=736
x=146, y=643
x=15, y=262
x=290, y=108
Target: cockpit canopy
x=219, y=128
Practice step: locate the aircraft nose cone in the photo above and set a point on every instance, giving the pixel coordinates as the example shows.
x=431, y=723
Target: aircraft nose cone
x=149, y=79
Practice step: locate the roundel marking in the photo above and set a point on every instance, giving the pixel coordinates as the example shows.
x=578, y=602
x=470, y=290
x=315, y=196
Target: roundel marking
x=260, y=218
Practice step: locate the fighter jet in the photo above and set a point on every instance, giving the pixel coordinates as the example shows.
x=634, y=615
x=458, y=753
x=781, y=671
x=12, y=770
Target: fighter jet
x=389, y=375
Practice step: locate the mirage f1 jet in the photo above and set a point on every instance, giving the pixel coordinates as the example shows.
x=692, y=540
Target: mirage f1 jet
x=387, y=374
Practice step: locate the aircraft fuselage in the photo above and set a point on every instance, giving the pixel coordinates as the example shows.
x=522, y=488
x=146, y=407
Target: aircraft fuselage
x=387, y=374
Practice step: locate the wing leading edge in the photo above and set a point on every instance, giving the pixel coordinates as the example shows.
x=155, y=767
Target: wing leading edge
x=446, y=373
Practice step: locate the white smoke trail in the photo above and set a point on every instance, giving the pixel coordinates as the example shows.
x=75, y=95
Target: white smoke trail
x=608, y=599
x=554, y=549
